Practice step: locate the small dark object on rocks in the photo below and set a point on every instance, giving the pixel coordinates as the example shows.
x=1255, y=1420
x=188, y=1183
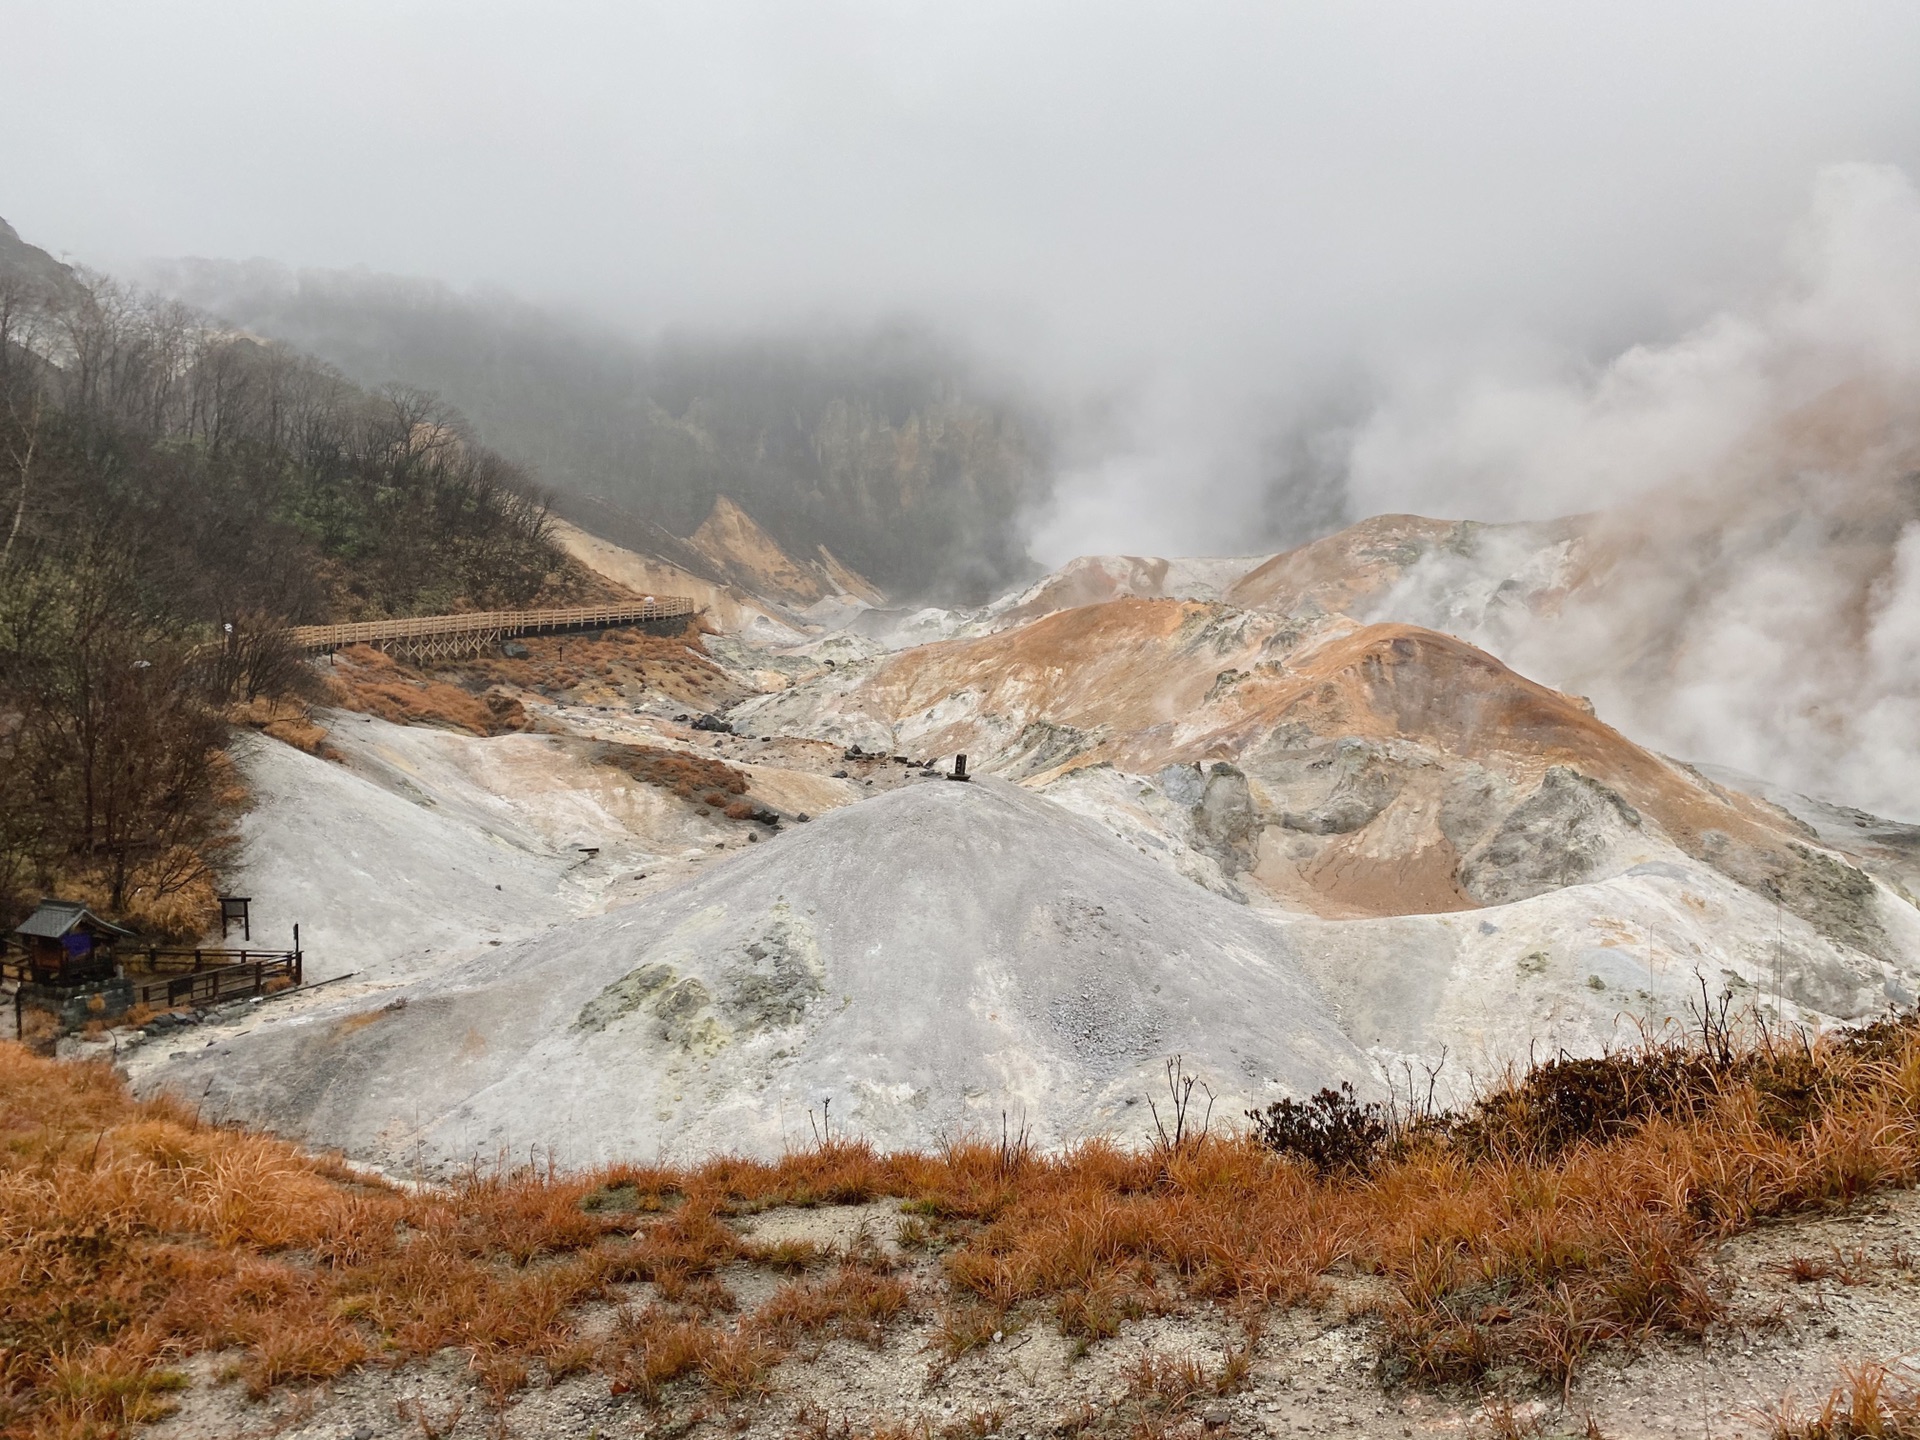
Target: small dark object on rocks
x=803, y=817
x=839, y=774
x=752, y=838
x=898, y=759
x=713, y=725
x=959, y=769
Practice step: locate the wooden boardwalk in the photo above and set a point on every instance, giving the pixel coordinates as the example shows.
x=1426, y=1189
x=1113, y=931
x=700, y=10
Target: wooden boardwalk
x=441, y=636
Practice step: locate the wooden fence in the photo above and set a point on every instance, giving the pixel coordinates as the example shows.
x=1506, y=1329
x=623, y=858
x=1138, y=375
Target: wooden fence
x=220, y=982
x=440, y=636
x=159, y=960
x=160, y=979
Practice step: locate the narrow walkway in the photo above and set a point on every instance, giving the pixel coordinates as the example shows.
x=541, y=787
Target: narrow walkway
x=446, y=635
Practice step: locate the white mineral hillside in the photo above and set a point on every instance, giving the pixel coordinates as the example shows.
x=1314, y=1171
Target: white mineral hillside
x=417, y=843
x=1223, y=818
x=927, y=961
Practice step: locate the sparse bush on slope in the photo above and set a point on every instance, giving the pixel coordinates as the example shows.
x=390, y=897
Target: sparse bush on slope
x=137, y=1234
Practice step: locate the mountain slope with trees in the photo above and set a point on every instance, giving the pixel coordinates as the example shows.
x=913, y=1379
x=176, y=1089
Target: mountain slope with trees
x=172, y=495
x=886, y=445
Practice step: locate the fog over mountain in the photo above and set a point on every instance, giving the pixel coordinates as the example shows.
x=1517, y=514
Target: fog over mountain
x=1208, y=239
x=885, y=444
x=961, y=294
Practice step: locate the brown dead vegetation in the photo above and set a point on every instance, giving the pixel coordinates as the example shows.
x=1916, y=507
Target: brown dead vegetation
x=137, y=1235
x=1875, y=1403
x=694, y=778
x=289, y=721
x=613, y=665
x=375, y=683
x=476, y=694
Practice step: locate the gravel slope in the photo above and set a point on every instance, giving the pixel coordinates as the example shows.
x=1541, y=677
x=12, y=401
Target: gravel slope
x=925, y=960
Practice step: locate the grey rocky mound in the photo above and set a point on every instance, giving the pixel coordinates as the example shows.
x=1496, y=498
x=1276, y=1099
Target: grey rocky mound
x=926, y=961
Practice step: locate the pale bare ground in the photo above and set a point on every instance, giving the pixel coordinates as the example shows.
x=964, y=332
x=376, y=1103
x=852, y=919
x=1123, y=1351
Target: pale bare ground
x=1805, y=1299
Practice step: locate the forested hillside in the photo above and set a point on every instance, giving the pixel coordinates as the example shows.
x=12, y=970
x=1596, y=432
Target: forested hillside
x=884, y=445
x=171, y=495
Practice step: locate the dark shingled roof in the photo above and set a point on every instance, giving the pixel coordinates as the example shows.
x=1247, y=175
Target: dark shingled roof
x=56, y=918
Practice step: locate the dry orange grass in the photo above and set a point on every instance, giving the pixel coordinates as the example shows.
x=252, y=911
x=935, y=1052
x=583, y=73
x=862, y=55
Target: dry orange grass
x=471, y=693
x=135, y=1235
x=592, y=668
x=856, y=1302
x=286, y=720
x=375, y=683
x=697, y=779
x=1875, y=1403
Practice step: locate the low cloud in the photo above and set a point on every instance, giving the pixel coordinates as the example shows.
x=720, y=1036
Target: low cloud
x=1751, y=591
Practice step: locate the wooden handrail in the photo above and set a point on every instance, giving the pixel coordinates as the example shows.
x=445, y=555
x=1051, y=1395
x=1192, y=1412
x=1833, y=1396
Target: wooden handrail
x=210, y=987
x=178, y=960
x=503, y=622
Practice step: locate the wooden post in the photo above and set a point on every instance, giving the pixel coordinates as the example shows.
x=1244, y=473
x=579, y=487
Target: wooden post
x=296, y=955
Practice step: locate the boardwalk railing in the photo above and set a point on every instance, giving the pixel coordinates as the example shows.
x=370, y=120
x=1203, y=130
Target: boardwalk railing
x=443, y=635
x=224, y=982
x=153, y=960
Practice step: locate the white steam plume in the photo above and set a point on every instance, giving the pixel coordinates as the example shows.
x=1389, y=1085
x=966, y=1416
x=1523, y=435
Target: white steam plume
x=1751, y=594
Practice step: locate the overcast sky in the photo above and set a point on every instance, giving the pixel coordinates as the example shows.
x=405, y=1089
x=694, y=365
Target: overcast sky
x=1216, y=212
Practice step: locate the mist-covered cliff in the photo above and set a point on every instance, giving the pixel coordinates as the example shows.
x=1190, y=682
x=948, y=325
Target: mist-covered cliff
x=886, y=445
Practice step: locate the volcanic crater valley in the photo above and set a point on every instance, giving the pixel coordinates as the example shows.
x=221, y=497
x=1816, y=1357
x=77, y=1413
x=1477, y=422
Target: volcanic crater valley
x=653, y=896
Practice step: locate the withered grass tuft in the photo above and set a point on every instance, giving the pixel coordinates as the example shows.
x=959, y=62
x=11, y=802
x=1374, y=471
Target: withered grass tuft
x=1519, y=1237
x=1874, y=1403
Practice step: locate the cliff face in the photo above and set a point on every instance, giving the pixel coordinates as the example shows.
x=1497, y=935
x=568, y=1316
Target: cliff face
x=741, y=549
x=20, y=261
x=922, y=496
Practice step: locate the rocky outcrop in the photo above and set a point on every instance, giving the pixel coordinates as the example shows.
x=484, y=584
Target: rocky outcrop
x=26, y=264
x=1564, y=833
x=742, y=550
